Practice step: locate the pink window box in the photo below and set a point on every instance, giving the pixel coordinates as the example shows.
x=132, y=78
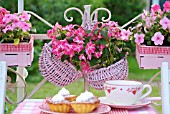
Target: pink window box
x=20, y=55
x=151, y=57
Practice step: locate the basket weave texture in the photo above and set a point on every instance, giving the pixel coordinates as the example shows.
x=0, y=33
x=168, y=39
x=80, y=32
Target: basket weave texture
x=116, y=71
x=54, y=70
x=63, y=73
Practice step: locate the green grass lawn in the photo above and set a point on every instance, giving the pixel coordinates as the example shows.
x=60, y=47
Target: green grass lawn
x=76, y=88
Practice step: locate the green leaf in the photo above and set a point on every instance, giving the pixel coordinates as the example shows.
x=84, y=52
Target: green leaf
x=77, y=67
x=34, y=30
x=148, y=43
x=70, y=40
x=168, y=39
x=16, y=41
x=96, y=31
x=105, y=53
x=103, y=41
x=76, y=58
x=63, y=58
x=93, y=62
x=104, y=33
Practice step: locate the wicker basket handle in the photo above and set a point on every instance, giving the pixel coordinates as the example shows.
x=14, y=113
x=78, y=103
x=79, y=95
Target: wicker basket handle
x=7, y=98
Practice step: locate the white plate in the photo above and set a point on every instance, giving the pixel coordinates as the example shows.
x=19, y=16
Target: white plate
x=143, y=103
x=99, y=110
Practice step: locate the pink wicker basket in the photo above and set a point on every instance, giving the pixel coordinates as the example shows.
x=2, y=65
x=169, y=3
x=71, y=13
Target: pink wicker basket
x=54, y=70
x=20, y=55
x=63, y=73
x=117, y=71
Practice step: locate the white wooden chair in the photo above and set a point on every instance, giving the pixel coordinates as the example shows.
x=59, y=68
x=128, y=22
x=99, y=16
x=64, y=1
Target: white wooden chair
x=3, y=75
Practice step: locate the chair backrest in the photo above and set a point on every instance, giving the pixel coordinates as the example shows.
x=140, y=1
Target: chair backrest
x=3, y=75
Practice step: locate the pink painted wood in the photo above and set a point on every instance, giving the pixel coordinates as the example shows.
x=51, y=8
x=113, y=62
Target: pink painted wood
x=151, y=57
x=20, y=55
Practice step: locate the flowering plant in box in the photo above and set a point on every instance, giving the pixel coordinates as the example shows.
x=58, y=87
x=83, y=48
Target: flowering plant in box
x=86, y=49
x=14, y=28
x=154, y=27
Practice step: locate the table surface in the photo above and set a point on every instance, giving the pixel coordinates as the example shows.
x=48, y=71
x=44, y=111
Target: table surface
x=31, y=106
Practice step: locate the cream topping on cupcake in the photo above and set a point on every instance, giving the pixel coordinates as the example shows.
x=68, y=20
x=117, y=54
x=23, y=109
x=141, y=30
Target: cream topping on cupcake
x=84, y=97
x=58, y=98
x=64, y=92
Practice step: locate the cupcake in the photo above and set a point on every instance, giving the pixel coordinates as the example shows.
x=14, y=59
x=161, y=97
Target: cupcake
x=59, y=104
x=64, y=92
x=85, y=103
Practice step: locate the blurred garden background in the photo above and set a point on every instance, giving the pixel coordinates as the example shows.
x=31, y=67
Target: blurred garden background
x=52, y=11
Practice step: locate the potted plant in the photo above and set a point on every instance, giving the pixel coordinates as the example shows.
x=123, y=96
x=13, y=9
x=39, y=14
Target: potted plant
x=16, y=43
x=96, y=52
x=151, y=35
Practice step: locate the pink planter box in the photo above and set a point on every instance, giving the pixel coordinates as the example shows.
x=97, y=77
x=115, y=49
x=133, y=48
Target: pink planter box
x=20, y=55
x=151, y=57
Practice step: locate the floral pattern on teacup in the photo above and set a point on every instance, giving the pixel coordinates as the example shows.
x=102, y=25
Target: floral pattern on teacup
x=133, y=90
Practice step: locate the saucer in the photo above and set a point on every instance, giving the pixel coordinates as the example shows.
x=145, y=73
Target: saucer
x=99, y=110
x=103, y=100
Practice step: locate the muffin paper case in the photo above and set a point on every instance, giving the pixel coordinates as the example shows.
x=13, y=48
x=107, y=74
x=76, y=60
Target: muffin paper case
x=63, y=73
x=116, y=71
x=54, y=70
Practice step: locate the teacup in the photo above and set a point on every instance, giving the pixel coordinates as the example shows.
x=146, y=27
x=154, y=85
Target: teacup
x=124, y=92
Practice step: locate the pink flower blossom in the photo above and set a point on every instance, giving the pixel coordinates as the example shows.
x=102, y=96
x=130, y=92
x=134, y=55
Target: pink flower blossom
x=24, y=16
x=150, y=21
x=3, y=12
x=139, y=38
x=101, y=47
x=77, y=47
x=68, y=27
x=78, y=40
x=89, y=56
x=165, y=22
x=25, y=26
x=8, y=27
x=50, y=33
x=99, y=36
x=7, y=18
x=155, y=8
x=85, y=66
x=80, y=32
x=57, y=26
x=58, y=47
x=125, y=34
x=98, y=54
x=166, y=6
x=90, y=48
x=158, y=38
x=145, y=12
x=82, y=57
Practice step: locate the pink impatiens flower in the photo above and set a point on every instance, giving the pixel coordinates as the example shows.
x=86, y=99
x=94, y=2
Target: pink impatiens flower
x=155, y=8
x=82, y=57
x=78, y=40
x=166, y=6
x=158, y=38
x=98, y=54
x=24, y=16
x=139, y=38
x=125, y=34
x=165, y=22
x=90, y=48
x=50, y=33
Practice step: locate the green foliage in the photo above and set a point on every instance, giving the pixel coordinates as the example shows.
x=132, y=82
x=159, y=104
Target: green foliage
x=124, y=10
